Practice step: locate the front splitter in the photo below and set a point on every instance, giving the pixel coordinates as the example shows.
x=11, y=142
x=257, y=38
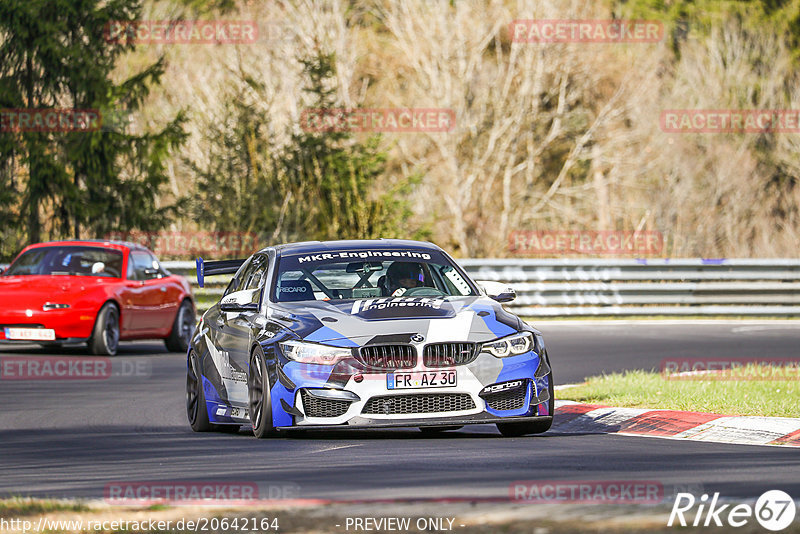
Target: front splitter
x=363, y=423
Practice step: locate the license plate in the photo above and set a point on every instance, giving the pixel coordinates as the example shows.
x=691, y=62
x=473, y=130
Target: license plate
x=31, y=334
x=422, y=379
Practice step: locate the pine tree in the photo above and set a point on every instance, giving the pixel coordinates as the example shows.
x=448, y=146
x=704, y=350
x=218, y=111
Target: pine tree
x=57, y=54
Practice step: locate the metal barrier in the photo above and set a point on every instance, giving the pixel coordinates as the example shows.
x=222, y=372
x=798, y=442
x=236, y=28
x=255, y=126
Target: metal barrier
x=584, y=287
x=590, y=287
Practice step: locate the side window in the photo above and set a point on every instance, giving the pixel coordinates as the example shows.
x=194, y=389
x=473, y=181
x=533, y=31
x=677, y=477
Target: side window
x=162, y=272
x=131, y=270
x=256, y=276
x=236, y=282
x=143, y=265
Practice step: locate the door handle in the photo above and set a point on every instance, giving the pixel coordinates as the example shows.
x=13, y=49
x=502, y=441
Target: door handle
x=163, y=289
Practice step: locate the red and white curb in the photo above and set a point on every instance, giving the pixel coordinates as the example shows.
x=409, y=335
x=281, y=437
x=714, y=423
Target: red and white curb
x=576, y=418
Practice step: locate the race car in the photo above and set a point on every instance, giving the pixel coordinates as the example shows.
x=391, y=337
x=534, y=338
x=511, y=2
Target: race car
x=95, y=292
x=363, y=334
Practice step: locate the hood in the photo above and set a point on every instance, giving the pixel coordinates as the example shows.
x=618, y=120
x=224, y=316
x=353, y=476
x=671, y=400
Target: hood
x=396, y=320
x=35, y=290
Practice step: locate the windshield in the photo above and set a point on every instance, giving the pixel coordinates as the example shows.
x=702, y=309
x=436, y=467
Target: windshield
x=368, y=274
x=69, y=260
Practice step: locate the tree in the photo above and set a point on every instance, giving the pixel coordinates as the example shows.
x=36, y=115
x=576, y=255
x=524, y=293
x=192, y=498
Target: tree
x=321, y=185
x=57, y=54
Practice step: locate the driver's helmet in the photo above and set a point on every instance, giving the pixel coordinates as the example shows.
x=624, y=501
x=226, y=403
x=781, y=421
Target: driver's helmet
x=403, y=274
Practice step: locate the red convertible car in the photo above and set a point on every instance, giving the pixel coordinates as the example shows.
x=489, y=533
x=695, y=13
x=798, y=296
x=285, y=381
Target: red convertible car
x=95, y=292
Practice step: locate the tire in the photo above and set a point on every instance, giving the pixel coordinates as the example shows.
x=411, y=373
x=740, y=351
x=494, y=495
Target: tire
x=105, y=335
x=259, y=396
x=182, y=328
x=196, y=410
x=438, y=429
x=513, y=430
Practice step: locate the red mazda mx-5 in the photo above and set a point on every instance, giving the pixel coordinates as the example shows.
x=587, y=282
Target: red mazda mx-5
x=97, y=292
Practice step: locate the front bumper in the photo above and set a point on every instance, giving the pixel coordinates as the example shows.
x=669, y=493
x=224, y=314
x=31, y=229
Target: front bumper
x=70, y=325
x=304, y=398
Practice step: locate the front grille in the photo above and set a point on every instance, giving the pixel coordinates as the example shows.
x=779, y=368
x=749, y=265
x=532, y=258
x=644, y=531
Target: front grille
x=449, y=354
x=512, y=399
x=315, y=407
x=425, y=403
x=388, y=356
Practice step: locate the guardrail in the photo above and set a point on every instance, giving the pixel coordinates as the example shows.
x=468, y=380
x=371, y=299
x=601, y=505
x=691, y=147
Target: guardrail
x=591, y=287
x=581, y=287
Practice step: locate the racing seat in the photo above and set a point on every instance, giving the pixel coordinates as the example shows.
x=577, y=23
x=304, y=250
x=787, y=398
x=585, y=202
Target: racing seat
x=295, y=290
x=75, y=266
x=382, y=284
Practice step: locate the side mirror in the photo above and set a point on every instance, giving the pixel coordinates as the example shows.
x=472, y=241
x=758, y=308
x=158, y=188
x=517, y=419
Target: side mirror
x=240, y=301
x=497, y=290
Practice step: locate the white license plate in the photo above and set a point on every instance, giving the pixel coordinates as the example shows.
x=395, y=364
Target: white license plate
x=31, y=334
x=421, y=379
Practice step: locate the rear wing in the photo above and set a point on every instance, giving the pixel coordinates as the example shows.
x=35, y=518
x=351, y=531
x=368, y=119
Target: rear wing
x=210, y=268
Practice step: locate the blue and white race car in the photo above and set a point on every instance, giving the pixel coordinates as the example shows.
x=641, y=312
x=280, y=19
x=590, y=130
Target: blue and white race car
x=363, y=334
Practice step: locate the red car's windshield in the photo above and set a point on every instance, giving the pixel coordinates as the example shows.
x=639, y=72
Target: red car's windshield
x=68, y=260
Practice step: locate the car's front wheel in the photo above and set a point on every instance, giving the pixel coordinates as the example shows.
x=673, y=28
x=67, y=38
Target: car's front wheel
x=540, y=426
x=259, y=397
x=105, y=336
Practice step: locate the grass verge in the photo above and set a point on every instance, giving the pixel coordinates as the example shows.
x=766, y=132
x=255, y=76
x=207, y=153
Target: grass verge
x=641, y=389
x=21, y=507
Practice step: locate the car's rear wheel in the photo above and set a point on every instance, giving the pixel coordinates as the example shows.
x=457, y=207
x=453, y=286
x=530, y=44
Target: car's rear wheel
x=181, y=334
x=259, y=397
x=196, y=410
x=438, y=429
x=105, y=335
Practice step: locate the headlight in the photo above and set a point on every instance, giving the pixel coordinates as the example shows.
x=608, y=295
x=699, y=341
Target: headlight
x=302, y=352
x=509, y=346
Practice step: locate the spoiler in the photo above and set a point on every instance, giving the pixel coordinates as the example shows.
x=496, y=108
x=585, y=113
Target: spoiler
x=210, y=268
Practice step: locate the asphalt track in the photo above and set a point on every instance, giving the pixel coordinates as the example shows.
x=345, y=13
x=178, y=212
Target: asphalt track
x=73, y=438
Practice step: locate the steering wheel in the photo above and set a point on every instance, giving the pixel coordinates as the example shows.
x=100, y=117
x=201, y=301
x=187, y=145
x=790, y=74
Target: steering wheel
x=418, y=292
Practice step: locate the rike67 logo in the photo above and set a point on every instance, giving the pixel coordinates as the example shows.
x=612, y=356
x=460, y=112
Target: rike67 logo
x=774, y=510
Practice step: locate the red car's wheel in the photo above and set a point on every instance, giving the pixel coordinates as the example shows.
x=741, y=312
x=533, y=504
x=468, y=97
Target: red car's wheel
x=181, y=334
x=105, y=336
